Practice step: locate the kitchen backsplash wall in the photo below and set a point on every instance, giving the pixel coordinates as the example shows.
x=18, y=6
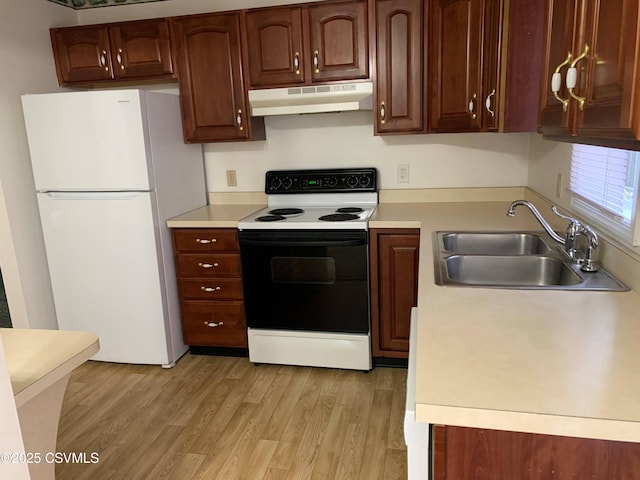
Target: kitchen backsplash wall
x=346, y=140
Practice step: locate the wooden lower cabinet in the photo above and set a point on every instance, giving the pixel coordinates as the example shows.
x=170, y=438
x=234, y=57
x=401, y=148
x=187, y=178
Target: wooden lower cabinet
x=478, y=454
x=394, y=289
x=210, y=287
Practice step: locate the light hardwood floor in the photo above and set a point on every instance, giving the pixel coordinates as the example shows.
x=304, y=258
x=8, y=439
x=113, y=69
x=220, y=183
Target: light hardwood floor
x=224, y=418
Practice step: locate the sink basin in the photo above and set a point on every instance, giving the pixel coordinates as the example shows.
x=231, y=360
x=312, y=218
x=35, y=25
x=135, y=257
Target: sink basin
x=499, y=243
x=519, y=260
x=514, y=271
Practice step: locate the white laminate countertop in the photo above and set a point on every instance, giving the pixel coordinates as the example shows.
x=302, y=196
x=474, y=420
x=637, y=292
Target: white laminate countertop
x=36, y=359
x=213, y=216
x=553, y=362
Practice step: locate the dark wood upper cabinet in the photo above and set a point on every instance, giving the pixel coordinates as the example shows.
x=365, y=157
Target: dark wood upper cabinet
x=139, y=50
x=307, y=44
x=400, y=60
x=339, y=41
x=456, y=62
x=597, y=45
x=276, y=54
x=485, y=61
x=212, y=92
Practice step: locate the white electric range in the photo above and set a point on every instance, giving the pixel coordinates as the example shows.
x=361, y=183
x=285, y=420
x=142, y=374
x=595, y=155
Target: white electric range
x=305, y=268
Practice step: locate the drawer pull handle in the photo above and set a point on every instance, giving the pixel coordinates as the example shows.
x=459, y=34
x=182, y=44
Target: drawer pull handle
x=207, y=265
x=206, y=240
x=214, y=324
x=210, y=289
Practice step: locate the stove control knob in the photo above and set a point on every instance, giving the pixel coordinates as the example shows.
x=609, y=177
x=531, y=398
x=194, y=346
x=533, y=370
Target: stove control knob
x=331, y=182
x=275, y=183
x=365, y=181
x=352, y=181
x=287, y=182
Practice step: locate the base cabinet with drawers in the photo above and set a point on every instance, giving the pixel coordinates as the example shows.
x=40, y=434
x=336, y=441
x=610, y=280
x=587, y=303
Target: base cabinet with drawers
x=210, y=287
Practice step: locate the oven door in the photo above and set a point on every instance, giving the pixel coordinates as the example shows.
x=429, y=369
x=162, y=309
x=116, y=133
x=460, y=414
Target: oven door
x=310, y=280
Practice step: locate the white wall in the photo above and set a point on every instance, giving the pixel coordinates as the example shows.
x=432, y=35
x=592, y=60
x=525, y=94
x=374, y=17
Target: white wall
x=346, y=139
x=170, y=8
x=330, y=140
x=27, y=66
x=546, y=160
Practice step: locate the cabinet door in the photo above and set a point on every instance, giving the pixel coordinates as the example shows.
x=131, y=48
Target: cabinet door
x=394, y=289
x=276, y=54
x=141, y=49
x=611, y=35
x=460, y=453
x=488, y=101
x=339, y=41
x=400, y=64
x=556, y=118
x=456, y=56
x=81, y=54
x=212, y=92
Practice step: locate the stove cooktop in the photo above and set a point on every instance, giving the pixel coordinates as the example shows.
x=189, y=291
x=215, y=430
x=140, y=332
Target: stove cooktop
x=341, y=198
x=317, y=217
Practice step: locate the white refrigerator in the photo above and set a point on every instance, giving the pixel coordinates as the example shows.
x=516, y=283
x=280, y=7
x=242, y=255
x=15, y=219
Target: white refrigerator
x=110, y=167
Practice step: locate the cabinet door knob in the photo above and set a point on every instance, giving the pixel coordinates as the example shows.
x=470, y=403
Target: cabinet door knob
x=103, y=60
x=472, y=106
x=296, y=62
x=383, y=113
x=239, y=119
x=214, y=324
x=119, y=59
x=316, y=61
x=572, y=77
x=488, y=102
x=556, y=82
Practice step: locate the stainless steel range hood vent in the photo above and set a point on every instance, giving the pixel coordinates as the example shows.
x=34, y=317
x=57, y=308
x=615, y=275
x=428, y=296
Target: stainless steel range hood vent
x=316, y=99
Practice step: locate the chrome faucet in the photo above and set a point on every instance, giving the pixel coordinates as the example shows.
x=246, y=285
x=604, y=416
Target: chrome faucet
x=574, y=229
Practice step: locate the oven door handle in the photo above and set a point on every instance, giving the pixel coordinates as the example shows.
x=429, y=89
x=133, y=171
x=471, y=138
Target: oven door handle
x=303, y=243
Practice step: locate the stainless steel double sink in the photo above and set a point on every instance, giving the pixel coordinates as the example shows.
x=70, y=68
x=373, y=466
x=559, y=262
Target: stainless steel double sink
x=519, y=260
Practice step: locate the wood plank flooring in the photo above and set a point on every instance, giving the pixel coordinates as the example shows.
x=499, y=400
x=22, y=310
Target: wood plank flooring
x=224, y=418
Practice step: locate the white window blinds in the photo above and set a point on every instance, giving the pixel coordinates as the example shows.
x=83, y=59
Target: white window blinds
x=601, y=177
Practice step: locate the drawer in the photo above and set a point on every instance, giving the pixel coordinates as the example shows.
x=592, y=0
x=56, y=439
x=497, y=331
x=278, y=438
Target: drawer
x=214, y=288
x=205, y=239
x=215, y=324
x=208, y=264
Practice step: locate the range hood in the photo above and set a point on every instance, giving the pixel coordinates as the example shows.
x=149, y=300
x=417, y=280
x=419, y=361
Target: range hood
x=311, y=99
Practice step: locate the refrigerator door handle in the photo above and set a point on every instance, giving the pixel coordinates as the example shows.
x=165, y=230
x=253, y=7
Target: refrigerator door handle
x=92, y=195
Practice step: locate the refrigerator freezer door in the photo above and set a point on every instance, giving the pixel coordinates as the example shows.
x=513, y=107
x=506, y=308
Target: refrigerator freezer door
x=88, y=140
x=103, y=259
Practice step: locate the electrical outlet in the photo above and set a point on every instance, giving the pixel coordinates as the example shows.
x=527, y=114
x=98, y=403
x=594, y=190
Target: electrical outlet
x=403, y=173
x=232, y=180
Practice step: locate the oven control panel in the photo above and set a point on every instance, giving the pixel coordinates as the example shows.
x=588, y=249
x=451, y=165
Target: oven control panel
x=321, y=181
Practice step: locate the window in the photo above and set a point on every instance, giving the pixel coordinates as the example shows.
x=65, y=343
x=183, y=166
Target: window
x=604, y=187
